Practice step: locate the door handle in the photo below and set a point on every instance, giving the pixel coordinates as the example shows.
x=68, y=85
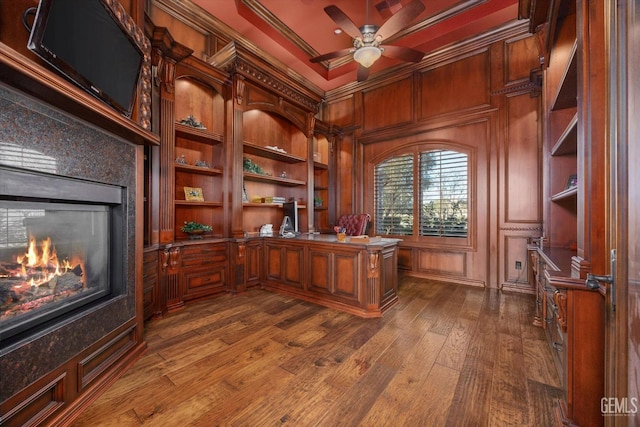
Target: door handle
x=593, y=280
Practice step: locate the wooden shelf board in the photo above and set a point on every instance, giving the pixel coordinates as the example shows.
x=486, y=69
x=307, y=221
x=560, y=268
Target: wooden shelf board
x=267, y=205
x=198, y=204
x=318, y=165
x=565, y=194
x=201, y=135
x=568, y=141
x=198, y=170
x=272, y=179
x=567, y=94
x=257, y=150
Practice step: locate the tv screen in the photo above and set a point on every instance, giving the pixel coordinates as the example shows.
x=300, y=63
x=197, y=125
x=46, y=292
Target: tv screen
x=84, y=41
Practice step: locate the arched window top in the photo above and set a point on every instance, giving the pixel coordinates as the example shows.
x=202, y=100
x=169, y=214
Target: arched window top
x=424, y=193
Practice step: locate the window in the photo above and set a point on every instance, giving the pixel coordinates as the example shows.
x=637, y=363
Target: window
x=393, y=195
x=441, y=191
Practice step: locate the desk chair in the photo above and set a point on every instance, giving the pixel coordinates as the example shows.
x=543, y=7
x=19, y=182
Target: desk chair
x=354, y=224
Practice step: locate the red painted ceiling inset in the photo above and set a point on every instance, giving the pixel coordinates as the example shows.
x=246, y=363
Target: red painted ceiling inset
x=293, y=31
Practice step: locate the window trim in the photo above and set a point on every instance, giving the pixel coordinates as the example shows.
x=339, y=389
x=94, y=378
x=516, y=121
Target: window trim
x=459, y=243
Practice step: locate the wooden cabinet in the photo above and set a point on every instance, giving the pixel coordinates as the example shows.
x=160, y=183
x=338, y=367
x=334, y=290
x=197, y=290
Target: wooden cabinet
x=204, y=269
x=275, y=169
x=573, y=319
x=571, y=40
x=199, y=152
x=560, y=145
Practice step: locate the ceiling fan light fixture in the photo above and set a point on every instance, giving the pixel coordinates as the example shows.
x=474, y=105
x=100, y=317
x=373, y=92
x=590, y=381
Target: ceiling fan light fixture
x=367, y=55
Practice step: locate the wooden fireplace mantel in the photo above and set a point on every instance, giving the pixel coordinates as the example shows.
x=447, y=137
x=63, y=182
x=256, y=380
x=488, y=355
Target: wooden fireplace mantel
x=33, y=79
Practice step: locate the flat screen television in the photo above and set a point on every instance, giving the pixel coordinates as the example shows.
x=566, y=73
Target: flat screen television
x=87, y=44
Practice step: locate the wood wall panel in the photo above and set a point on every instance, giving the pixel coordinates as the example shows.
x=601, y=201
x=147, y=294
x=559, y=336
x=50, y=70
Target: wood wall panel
x=521, y=58
x=388, y=105
x=515, y=250
x=456, y=86
x=340, y=112
x=522, y=161
x=181, y=32
x=442, y=263
x=472, y=135
x=345, y=191
x=405, y=258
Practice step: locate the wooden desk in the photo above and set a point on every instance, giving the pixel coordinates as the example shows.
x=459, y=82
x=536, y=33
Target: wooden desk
x=361, y=279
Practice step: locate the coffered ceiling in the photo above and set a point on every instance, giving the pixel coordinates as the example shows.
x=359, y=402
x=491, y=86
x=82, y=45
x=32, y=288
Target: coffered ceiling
x=294, y=31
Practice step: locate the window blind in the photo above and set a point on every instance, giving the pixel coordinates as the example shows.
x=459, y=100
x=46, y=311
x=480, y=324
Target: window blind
x=443, y=193
x=393, y=196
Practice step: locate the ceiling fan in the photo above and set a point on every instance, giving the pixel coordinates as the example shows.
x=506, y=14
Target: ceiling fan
x=367, y=40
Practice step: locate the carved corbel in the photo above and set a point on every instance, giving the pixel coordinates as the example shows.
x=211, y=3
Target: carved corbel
x=373, y=270
x=239, y=89
x=312, y=124
x=168, y=75
x=171, y=259
x=560, y=299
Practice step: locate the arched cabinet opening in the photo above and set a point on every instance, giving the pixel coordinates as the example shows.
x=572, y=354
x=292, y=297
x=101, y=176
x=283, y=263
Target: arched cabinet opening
x=199, y=157
x=275, y=170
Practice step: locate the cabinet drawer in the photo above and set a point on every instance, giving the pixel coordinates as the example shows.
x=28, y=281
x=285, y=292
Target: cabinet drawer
x=202, y=282
x=205, y=254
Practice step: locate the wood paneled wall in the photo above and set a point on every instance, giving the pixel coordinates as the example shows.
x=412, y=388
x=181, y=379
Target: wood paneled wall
x=479, y=95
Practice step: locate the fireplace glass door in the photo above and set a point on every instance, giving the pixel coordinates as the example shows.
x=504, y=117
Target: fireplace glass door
x=54, y=259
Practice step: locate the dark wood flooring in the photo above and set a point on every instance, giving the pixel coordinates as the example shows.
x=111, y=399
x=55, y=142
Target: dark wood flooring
x=445, y=355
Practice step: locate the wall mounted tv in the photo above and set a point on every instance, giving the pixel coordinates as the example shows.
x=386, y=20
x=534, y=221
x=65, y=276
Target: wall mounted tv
x=85, y=42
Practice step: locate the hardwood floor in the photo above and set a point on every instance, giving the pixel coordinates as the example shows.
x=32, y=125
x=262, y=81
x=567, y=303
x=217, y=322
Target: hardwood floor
x=446, y=355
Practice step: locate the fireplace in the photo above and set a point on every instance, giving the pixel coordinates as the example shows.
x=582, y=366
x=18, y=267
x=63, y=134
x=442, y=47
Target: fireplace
x=69, y=194
x=60, y=248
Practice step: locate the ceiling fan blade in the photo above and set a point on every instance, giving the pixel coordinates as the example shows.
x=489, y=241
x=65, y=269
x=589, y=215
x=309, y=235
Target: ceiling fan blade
x=343, y=21
x=331, y=55
x=400, y=20
x=363, y=73
x=402, y=53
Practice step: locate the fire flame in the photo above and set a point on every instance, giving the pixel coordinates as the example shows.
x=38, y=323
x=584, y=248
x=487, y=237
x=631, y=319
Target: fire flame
x=41, y=266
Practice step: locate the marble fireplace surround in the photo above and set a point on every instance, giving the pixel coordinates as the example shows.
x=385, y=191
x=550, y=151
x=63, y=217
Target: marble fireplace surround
x=35, y=136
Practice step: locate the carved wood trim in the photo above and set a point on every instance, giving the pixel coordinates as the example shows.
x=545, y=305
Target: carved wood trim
x=171, y=258
x=560, y=299
x=144, y=86
x=239, y=89
x=373, y=267
x=233, y=60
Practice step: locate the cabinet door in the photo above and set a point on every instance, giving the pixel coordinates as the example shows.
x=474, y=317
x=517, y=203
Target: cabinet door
x=284, y=264
x=335, y=273
x=253, y=262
